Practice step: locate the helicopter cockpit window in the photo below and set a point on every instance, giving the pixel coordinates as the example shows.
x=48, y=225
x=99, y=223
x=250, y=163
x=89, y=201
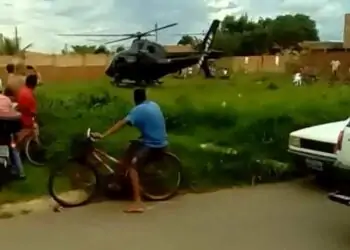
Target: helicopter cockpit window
x=151, y=49
x=137, y=45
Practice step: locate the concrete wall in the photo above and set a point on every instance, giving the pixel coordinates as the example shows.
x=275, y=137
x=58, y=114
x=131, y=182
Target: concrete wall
x=77, y=67
x=346, y=38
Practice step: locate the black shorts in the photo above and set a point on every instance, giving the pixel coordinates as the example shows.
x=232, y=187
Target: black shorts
x=137, y=154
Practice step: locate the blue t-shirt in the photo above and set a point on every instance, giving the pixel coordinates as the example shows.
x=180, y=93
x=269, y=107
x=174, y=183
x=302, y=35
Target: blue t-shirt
x=149, y=119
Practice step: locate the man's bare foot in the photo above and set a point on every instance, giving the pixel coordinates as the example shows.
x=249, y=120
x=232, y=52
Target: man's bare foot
x=135, y=208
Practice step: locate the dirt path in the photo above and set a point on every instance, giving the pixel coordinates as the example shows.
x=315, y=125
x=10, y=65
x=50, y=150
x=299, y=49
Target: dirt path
x=268, y=217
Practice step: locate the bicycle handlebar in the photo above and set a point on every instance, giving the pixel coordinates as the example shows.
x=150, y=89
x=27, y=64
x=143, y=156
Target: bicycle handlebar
x=89, y=135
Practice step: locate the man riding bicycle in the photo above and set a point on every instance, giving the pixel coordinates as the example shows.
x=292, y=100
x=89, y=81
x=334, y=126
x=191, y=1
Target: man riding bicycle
x=148, y=118
x=27, y=107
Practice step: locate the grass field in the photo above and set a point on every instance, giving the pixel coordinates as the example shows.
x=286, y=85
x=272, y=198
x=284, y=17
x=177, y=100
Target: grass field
x=252, y=89
x=247, y=95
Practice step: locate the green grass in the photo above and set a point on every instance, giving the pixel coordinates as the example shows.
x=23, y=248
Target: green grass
x=35, y=185
x=252, y=110
x=242, y=92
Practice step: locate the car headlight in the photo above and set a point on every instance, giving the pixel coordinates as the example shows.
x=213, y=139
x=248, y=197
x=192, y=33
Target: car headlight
x=294, y=141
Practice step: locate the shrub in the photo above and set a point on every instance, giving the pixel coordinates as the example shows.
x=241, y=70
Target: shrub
x=255, y=125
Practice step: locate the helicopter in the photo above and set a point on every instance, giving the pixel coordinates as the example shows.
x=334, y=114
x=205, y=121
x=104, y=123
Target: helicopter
x=145, y=62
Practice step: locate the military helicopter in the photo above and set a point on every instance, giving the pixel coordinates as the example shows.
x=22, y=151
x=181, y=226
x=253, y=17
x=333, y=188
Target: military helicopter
x=146, y=61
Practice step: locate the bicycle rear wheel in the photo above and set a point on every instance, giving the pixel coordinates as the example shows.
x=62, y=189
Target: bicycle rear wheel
x=73, y=185
x=161, y=180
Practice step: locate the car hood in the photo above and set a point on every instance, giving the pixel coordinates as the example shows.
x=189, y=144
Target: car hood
x=325, y=132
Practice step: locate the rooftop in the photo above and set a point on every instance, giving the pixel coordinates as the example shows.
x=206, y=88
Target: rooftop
x=315, y=45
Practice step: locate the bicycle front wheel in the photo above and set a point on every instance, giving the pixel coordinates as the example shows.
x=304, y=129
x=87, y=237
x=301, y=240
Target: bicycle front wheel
x=34, y=152
x=73, y=185
x=161, y=180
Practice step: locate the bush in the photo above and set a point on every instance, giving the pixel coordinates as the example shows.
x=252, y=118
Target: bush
x=255, y=124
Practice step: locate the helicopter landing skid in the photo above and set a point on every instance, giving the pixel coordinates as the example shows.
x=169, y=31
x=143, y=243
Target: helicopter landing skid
x=130, y=84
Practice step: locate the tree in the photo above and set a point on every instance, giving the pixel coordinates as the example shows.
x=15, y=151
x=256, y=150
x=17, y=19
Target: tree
x=190, y=40
x=289, y=30
x=120, y=48
x=83, y=49
x=186, y=40
x=242, y=36
x=12, y=46
x=101, y=50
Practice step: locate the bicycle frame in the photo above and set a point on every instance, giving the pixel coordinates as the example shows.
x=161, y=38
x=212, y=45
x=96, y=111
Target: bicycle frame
x=96, y=154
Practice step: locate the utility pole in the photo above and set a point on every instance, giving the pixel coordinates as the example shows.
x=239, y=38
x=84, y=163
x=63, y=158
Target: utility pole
x=16, y=38
x=156, y=27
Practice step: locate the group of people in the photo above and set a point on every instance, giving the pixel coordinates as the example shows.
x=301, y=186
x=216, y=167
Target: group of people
x=307, y=74
x=17, y=99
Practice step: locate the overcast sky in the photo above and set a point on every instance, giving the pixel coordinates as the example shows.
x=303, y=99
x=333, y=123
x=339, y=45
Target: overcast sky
x=39, y=21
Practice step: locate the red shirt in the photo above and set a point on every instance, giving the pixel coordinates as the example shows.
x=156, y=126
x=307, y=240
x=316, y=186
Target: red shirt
x=26, y=106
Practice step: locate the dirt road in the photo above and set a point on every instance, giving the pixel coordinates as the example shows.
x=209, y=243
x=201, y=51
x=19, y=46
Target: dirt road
x=287, y=216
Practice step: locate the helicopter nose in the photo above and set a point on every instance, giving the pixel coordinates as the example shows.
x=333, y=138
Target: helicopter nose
x=111, y=70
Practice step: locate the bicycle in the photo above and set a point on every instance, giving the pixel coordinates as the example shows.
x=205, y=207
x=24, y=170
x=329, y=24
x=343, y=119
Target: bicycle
x=93, y=162
x=33, y=149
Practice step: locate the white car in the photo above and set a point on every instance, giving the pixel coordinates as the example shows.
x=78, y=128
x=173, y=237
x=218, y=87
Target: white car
x=343, y=147
x=343, y=165
x=314, y=147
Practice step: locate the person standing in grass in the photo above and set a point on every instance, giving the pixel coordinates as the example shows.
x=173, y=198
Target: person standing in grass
x=335, y=65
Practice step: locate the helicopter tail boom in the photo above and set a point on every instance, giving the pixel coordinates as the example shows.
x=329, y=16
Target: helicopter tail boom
x=206, y=46
x=209, y=37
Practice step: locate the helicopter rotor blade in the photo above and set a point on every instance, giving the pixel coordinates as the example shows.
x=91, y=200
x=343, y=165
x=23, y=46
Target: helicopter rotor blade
x=118, y=40
x=96, y=35
x=126, y=38
x=190, y=34
x=160, y=28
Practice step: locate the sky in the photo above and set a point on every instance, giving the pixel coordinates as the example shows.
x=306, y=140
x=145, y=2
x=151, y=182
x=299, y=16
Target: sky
x=39, y=21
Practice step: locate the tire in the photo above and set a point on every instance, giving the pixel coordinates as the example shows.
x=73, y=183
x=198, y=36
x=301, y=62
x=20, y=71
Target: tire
x=29, y=146
x=325, y=179
x=55, y=174
x=147, y=179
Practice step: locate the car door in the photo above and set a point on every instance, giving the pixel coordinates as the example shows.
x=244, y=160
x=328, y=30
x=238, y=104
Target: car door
x=343, y=154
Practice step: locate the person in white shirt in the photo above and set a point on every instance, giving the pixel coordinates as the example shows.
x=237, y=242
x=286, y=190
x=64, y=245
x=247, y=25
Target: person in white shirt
x=297, y=80
x=335, y=64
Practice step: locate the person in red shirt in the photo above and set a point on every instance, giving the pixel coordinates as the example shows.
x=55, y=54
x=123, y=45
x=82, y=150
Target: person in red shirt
x=27, y=107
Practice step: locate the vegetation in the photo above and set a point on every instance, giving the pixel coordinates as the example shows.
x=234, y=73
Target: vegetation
x=86, y=49
x=242, y=36
x=12, y=46
x=244, y=123
x=89, y=49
